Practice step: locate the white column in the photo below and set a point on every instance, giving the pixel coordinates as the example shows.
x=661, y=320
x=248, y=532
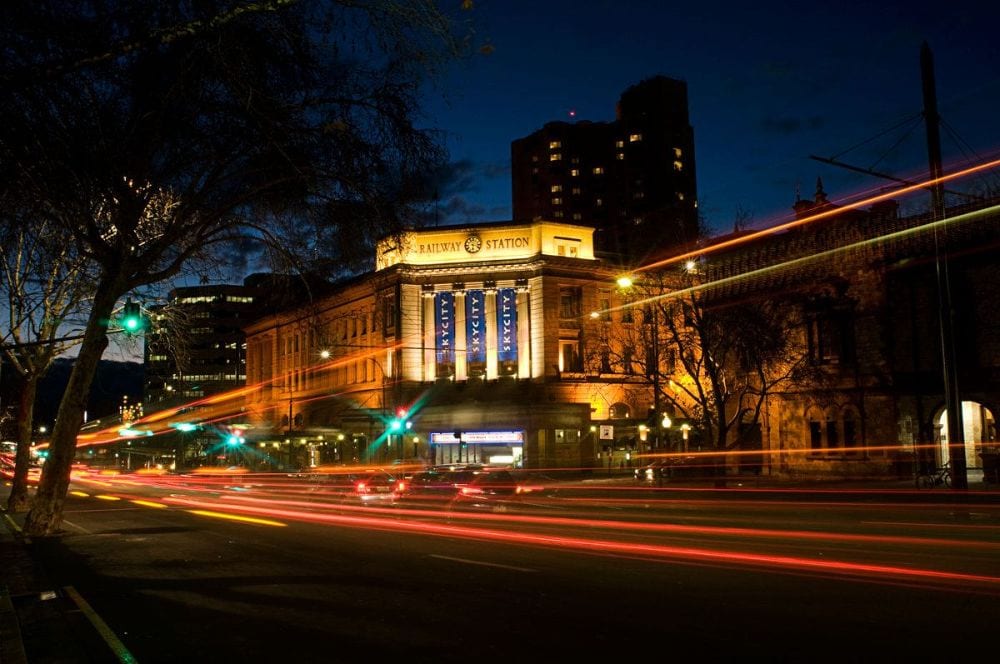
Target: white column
x=428, y=341
x=523, y=335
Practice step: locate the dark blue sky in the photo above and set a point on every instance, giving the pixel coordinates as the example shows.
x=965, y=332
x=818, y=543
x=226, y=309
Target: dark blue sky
x=768, y=84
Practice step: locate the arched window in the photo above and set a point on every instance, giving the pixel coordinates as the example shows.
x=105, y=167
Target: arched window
x=620, y=411
x=832, y=429
x=814, y=432
x=851, y=418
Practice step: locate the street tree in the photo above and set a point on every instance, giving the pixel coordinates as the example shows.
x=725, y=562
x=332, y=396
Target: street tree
x=712, y=353
x=45, y=288
x=152, y=132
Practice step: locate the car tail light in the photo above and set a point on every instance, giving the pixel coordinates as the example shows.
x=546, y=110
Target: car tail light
x=361, y=487
x=470, y=490
x=400, y=486
x=526, y=489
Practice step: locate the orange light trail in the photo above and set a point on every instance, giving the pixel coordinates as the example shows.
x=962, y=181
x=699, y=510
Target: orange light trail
x=750, y=237
x=660, y=528
x=887, y=573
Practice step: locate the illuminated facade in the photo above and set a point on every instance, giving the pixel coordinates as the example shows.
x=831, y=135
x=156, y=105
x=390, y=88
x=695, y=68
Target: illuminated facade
x=478, y=340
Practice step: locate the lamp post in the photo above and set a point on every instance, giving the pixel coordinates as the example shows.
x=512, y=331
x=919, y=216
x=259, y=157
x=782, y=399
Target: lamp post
x=651, y=319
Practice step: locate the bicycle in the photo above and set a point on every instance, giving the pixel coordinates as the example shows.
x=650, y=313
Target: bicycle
x=937, y=477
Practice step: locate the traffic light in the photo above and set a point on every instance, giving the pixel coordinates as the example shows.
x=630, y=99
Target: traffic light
x=400, y=422
x=131, y=319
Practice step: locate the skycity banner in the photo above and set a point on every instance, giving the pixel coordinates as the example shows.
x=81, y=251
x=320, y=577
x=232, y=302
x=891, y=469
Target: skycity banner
x=475, y=328
x=507, y=330
x=444, y=332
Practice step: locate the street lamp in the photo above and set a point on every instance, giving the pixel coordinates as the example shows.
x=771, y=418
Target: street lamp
x=651, y=319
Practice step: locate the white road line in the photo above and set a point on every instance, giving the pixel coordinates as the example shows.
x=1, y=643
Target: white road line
x=80, y=528
x=121, y=652
x=484, y=564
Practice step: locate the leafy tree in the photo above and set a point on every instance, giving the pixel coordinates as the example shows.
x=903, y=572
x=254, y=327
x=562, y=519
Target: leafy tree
x=151, y=132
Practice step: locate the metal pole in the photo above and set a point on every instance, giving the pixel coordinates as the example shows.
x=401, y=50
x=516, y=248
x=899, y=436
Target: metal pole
x=953, y=402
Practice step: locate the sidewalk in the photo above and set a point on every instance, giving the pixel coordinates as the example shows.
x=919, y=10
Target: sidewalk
x=40, y=622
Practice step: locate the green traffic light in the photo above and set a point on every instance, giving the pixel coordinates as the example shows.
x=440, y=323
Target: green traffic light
x=131, y=319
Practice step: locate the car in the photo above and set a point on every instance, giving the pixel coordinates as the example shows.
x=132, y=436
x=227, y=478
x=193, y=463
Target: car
x=363, y=487
x=437, y=485
x=669, y=467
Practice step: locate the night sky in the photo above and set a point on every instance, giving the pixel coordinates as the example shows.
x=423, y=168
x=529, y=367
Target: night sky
x=769, y=84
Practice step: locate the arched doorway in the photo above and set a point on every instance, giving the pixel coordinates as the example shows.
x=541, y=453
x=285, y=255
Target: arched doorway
x=979, y=427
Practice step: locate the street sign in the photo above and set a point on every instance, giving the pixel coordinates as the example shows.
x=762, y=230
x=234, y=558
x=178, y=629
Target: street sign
x=607, y=432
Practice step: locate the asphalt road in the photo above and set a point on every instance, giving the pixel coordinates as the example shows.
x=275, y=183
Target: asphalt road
x=616, y=572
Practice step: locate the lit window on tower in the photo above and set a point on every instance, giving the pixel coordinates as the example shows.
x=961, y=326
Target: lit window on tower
x=556, y=188
x=634, y=138
x=555, y=156
x=678, y=166
x=598, y=170
x=553, y=145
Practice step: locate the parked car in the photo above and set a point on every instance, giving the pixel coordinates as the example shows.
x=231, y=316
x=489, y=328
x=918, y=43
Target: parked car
x=670, y=467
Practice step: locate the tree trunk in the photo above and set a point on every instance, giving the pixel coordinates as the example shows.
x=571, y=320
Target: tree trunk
x=46, y=516
x=19, y=501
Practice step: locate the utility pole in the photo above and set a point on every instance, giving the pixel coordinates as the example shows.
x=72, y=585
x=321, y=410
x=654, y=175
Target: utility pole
x=953, y=402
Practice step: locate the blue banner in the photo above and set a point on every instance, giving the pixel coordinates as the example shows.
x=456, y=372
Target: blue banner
x=475, y=328
x=444, y=330
x=507, y=328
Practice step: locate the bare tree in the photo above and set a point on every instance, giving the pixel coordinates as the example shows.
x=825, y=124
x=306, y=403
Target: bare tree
x=712, y=356
x=45, y=288
x=152, y=132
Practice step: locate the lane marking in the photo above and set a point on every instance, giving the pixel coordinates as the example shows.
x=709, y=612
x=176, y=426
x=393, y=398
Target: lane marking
x=80, y=528
x=121, y=652
x=149, y=503
x=13, y=524
x=481, y=563
x=236, y=517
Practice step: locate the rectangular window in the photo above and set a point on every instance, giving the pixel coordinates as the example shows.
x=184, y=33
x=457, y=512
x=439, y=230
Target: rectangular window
x=554, y=145
x=555, y=156
x=634, y=138
x=830, y=337
x=598, y=170
x=557, y=201
x=555, y=188
x=620, y=156
x=677, y=153
x=604, y=304
x=678, y=166
x=569, y=356
x=575, y=172
x=619, y=144
x=570, y=302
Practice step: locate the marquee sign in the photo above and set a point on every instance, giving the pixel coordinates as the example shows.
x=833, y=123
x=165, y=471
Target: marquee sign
x=479, y=438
